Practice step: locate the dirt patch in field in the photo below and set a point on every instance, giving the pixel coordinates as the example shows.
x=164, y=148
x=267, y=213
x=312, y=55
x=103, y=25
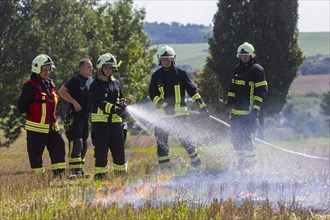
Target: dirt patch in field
x=311, y=83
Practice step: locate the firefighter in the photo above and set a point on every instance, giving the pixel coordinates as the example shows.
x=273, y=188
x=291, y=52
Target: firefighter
x=106, y=117
x=167, y=91
x=37, y=103
x=76, y=92
x=245, y=97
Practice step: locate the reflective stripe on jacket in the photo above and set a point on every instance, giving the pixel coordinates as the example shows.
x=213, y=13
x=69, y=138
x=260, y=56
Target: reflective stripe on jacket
x=43, y=110
x=170, y=86
x=248, y=88
x=104, y=96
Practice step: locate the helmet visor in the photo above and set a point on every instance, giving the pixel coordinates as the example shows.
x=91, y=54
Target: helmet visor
x=169, y=58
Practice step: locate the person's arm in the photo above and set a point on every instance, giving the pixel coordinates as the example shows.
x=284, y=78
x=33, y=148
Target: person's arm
x=98, y=98
x=154, y=93
x=192, y=92
x=260, y=88
x=25, y=99
x=65, y=94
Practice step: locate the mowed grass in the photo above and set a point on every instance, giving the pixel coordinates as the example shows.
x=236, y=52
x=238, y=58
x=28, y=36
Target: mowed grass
x=24, y=195
x=195, y=55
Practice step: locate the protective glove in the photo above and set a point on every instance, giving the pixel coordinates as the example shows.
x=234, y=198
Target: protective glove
x=124, y=102
x=164, y=105
x=204, y=112
x=68, y=122
x=253, y=119
x=118, y=110
x=253, y=115
x=228, y=108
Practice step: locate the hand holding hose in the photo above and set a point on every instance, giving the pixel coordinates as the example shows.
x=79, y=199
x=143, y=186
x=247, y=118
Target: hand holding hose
x=124, y=102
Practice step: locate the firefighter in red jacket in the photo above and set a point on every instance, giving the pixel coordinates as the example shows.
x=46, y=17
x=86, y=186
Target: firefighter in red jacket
x=167, y=91
x=38, y=102
x=106, y=117
x=245, y=97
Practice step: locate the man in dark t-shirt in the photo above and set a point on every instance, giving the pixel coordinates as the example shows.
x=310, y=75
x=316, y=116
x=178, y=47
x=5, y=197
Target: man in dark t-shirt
x=76, y=92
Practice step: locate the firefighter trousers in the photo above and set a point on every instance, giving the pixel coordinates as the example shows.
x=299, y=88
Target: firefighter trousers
x=107, y=136
x=242, y=136
x=77, y=137
x=180, y=132
x=36, y=143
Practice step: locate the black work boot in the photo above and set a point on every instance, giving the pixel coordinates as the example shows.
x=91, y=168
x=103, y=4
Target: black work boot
x=78, y=172
x=59, y=173
x=119, y=173
x=101, y=176
x=196, y=163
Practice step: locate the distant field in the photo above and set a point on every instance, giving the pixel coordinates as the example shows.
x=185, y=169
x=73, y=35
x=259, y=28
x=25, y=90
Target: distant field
x=311, y=83
x=191, y=54
x=314, y=43
x=195, y=54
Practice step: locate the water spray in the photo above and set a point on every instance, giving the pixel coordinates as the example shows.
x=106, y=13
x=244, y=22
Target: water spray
x=225, y=124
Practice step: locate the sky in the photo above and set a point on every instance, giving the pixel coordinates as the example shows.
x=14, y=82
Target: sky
x=313, y=14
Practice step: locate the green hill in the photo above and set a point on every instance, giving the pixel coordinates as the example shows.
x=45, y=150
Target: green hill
x=195, y=54
x=314, y=43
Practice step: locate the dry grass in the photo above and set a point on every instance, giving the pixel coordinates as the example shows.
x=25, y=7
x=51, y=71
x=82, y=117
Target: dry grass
x=24, y=195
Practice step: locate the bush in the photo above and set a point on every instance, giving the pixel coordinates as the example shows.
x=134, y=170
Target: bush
x=314, y=65
x=299, y=119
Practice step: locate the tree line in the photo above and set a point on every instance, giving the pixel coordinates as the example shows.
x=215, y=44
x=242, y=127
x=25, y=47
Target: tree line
x=176, y=33
x=68, y=31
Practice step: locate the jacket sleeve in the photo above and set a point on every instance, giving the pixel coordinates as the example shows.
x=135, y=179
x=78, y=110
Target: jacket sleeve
x=98, y=98
x=188, y=85
x=231, y=92
x=121, y=95
x=260, y=88
x=192, y=91
x=26, y=98
x=154, y=92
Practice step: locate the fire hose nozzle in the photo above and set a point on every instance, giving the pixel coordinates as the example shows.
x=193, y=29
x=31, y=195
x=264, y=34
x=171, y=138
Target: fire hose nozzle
x=125, y=101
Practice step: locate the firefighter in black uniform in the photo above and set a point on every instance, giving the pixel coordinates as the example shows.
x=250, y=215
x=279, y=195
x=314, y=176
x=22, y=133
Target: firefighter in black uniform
x=245, y=97
x=37, y=103
x=76, y=92
x=106, y=117
x=167, y=91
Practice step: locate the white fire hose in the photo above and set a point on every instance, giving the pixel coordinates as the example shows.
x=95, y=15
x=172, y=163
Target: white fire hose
x=263, y=142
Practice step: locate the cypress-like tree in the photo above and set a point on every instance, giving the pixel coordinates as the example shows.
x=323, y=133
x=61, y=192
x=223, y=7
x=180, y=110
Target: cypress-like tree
x=271, y=27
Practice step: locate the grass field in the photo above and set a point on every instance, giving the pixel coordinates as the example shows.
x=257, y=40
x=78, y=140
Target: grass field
x=195, y=54
x=285, y=187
